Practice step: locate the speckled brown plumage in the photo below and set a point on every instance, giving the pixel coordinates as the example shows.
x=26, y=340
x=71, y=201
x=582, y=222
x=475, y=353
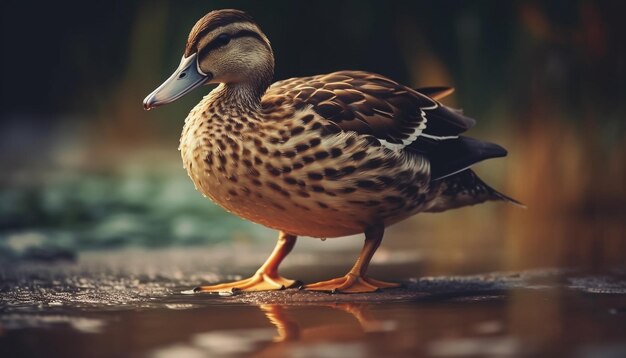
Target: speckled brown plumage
x=323, y=156
x=280, y=172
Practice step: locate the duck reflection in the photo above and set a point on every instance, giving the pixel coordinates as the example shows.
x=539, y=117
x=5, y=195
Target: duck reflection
x=311, y=327
x=274, y=330
x=288, y=330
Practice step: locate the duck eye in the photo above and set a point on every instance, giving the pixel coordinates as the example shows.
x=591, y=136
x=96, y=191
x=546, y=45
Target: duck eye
x=223, y=39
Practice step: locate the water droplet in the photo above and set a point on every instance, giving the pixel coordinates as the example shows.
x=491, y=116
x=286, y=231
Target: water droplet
x=323, y=238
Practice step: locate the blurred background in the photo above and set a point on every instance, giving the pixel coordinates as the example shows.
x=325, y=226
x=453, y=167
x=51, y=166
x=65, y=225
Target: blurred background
x=85, y=168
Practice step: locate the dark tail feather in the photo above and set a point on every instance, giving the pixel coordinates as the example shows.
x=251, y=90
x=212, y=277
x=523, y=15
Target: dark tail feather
x=499, y=196
x=463, y=189
x=455, y=155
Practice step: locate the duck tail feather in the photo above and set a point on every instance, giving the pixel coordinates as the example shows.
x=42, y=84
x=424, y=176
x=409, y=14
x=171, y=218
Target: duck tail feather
x=463, y=189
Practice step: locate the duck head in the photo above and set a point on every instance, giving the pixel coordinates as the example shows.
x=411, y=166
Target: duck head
x=224, y=46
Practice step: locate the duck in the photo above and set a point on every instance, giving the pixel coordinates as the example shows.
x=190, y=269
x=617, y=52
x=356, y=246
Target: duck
x=323, y=156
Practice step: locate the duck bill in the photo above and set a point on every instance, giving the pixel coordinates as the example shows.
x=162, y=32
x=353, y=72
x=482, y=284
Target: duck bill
x=186, y=77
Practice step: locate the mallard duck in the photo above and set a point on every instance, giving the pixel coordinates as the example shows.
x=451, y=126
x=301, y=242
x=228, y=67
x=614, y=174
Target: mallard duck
x=322, y=156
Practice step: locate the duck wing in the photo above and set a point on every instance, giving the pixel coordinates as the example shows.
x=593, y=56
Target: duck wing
x=399, y=117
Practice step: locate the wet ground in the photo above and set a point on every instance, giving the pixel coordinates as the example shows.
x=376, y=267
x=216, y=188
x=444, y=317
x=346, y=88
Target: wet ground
x=129, y=303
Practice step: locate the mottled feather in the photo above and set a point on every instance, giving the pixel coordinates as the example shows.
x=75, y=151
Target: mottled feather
x=371, y=104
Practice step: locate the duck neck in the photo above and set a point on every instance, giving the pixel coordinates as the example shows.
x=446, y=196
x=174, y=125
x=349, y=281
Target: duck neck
x=235, y=98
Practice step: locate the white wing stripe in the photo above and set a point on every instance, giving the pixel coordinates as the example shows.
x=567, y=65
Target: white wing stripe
x=417, y=132
x=439, y=137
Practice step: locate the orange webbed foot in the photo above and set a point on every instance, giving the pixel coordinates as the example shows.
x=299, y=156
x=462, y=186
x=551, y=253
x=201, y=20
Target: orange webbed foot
x=260, y=281
x=266, y=278
x=350, y=283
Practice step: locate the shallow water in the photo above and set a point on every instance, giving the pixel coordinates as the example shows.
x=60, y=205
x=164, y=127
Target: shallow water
x=130, y=304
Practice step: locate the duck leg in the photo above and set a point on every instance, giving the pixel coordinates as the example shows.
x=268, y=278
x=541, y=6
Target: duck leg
x=355, y=280
x=266, y=278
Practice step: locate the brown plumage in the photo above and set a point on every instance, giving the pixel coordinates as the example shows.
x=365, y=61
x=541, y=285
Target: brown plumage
x=323, y=156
